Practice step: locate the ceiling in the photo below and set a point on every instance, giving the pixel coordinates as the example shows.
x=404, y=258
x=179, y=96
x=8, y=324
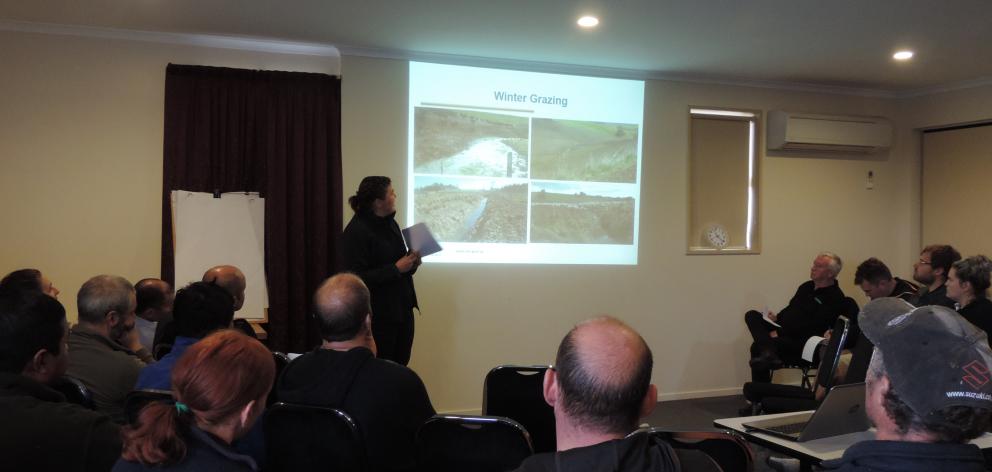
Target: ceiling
x=833, y=44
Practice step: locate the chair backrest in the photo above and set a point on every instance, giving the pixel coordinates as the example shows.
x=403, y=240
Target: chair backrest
x=516, y=392
x=74, y=391
x=312, y=438
x=476, y=443
x=719, y=451
x=831, y=355
x=138, y=399
x=281, y=360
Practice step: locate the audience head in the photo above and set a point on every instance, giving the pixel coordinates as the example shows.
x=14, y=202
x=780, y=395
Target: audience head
x=929, y=377
x=107, y=302
x=228, y=278
x=935, y=264
x=220, y=385
x=372, y=194
x=33, y=335
x=601, y=382
x=874, y=278
x=825, y=268
x=343, y=308
x=30, y=279
x=155, y=299
x=201, y=308
x=969, y=279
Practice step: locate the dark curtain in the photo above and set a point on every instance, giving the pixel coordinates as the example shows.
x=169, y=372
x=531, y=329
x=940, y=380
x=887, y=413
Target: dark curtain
x=276, y=133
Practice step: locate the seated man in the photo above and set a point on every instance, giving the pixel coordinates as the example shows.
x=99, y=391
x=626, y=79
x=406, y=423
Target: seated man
x=600, y=388
x=154, y=305
x=106, y=354
x=928, y=391
x=877, y=281
x=199, y=309
x=387, y=400
x=40, y=430
x=811, y=312
x=932, y=270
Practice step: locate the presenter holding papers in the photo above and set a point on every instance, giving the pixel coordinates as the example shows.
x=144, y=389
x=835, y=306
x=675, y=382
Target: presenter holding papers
x=373, y=248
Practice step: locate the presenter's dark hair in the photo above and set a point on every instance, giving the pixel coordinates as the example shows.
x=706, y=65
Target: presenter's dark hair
x=372, y=188
x=609, y=407
x=341, y=304
x=977, y=271
x=29, y=322
x=151, y=293
x=201, y=308
x=215, y=379
x=873, y=271
x=942, y=256
x=23, y=279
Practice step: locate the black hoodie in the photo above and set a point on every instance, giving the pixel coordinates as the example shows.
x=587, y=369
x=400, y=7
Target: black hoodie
x=387, y=400
x=636, y=453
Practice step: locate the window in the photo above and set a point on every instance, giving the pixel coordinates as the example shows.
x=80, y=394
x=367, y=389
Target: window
x=723, y=181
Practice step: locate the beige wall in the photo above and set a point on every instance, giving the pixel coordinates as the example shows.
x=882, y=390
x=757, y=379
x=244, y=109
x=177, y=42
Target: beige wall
x=80, y=176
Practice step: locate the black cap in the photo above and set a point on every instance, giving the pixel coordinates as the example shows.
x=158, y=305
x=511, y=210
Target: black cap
x=933, y=357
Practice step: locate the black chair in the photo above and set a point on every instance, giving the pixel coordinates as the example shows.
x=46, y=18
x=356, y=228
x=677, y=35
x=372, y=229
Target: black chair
x=281, y=360
x=516, y=392
x=784, y=398
x=312, y=438
x=475, y=443
x=809, y=369
x=138, y=399
x=74, y=391
x=718, y=451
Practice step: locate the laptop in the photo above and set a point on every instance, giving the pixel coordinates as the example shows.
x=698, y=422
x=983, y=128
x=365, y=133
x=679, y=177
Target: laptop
x=842, y=412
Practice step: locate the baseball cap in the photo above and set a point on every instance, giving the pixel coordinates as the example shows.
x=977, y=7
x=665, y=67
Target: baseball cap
x=934, y=358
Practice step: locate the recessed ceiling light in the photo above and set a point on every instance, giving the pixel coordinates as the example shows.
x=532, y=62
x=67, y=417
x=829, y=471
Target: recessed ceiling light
x=903, y=55
x=588, y=21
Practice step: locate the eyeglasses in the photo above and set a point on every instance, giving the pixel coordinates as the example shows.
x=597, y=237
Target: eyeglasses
x=923, y=262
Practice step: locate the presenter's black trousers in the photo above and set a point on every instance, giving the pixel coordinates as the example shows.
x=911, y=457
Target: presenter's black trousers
x=785, y=348
x=394, y=340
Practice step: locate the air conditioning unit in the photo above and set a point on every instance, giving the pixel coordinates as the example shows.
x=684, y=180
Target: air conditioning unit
x=827, y=133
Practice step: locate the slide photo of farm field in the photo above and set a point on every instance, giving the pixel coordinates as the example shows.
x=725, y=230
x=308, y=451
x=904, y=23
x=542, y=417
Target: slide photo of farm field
x=465, y=142
x=472, y=210
x=584, y=150
x=578, y=213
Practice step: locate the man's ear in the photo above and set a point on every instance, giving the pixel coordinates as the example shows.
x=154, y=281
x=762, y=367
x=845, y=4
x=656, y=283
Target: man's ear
x=650, y=401
x=550, y=387
x=41, y=366
x=112, y=318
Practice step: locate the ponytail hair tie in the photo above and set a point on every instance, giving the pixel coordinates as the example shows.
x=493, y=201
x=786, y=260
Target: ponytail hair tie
x=182, y=408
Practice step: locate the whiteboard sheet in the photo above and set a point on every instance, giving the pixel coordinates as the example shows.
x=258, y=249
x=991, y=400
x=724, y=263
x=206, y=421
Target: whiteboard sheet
x=229, y=230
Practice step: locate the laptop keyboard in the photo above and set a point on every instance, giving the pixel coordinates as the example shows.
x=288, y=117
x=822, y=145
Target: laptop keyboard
x=792, y=428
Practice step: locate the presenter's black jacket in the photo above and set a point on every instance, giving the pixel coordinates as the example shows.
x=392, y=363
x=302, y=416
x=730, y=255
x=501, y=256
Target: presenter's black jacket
x=812, y=311
x=884, y=456
x=40, y=430
x=979, y=313
x=371, y=245
x=636, y=453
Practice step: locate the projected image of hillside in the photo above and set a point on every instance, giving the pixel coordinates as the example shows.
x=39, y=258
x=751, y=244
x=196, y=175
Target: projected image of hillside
x=461, y=142
x=584, y=150
x=572, y=213
x=472, y=210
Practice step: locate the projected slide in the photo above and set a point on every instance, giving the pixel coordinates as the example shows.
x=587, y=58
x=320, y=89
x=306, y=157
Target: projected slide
x=524, y=167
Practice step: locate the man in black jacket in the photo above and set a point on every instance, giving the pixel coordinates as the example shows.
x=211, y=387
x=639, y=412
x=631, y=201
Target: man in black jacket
x=931, y=271
x=600, y=387
x=928, y=391
x=811, y=312
x=40, y=430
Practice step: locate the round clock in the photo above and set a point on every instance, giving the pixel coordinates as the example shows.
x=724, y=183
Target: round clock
x=717, y=236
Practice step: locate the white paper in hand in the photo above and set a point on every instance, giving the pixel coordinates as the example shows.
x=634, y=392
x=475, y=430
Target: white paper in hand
x=419, y=238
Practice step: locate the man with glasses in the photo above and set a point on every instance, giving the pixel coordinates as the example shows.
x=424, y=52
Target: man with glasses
x=931, y=272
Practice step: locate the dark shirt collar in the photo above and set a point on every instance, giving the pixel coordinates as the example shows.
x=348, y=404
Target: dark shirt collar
x=82, y=331
x=220, y=447
x=17, y=384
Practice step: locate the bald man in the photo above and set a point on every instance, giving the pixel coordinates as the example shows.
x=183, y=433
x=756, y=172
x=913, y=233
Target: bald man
x=600, y=388
x=387, y=400
x=229, y=278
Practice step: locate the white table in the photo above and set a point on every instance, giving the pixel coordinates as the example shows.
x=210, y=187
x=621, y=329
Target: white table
x=810, y=452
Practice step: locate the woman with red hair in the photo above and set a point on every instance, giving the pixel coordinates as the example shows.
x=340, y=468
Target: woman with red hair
x=220, y=385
